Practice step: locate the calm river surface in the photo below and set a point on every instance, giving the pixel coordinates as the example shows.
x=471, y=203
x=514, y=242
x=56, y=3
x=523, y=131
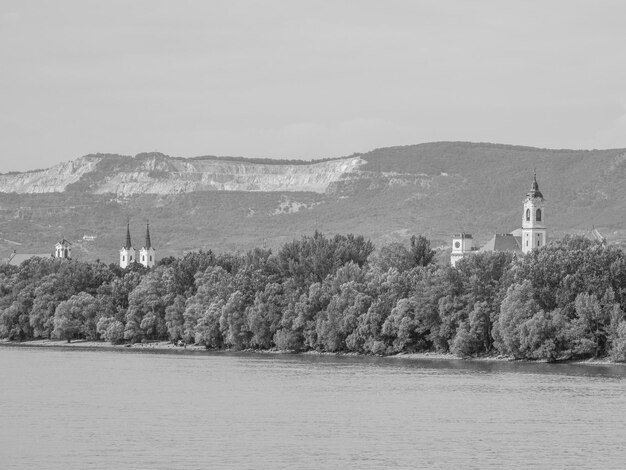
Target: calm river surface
x=75, y=409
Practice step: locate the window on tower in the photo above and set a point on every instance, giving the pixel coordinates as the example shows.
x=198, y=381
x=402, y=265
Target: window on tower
x=538, y=215
x=527, y=215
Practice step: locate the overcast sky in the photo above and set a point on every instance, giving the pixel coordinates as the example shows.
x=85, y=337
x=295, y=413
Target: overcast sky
x=291, y=79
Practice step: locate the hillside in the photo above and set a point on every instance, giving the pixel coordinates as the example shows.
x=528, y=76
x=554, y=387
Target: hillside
x=434, y=189
x=155, y=173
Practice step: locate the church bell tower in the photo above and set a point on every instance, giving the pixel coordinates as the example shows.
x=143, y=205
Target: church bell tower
x=147, y=254
x=127, y=253
x=534, y=233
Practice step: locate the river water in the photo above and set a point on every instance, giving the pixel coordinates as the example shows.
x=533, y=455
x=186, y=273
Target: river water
x=77, y=409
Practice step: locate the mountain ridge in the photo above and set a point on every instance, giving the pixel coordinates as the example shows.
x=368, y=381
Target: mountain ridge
x=156, y=173
x=386, y=194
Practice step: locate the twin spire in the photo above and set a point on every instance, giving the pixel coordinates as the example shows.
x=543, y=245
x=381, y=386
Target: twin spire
x=129, y=245
x=145, y=257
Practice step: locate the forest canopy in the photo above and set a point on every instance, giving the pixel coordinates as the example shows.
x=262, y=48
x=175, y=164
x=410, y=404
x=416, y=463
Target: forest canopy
x=335, y=294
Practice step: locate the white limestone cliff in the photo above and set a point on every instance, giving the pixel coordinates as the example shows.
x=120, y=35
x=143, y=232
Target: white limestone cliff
x=51, y=180
x=164, y=175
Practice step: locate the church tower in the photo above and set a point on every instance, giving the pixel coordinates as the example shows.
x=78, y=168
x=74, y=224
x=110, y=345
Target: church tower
x=462, y=244
x=147, y=254
x=534, y=233
x=127, y=253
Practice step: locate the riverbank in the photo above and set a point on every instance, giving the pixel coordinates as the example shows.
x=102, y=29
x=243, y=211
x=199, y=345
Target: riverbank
x=166, y=346
x=84, y=344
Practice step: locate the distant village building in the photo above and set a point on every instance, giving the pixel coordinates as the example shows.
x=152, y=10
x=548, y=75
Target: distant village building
x=63, y=249
x=462, y=245
x=147, y=254
x=533, y=233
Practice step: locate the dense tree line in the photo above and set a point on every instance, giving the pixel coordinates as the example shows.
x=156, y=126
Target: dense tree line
x=336, y=294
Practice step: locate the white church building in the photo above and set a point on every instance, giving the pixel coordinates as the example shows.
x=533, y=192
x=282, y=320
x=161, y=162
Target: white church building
x=533, y=233
x=147, y=253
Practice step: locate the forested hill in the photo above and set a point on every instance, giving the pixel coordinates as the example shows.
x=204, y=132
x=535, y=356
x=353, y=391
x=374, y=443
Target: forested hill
x=434, y=189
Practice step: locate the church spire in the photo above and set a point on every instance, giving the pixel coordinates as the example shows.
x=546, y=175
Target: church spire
x=147, y=255
x=148, y=243
x=128, y=245
x=534, y=190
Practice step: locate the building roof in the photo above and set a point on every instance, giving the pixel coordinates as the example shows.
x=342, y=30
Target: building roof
x=597, y=235
x=503, y=242
x=594, y=235
x=64, y=242
x=18, y=258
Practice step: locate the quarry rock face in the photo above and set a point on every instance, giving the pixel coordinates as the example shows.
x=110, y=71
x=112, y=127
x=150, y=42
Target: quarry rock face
x=51, y=180
x=159, y=174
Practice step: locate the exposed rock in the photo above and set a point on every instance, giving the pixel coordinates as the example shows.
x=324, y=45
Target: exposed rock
x=52, y=180
x=159, y=174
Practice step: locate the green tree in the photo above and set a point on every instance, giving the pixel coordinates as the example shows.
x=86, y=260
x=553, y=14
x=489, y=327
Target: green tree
x=233, y=325
x=71, y=316
x=394, y=255
x=174, y=318
x=213, y=285
x=265, y=315
x=541, y=336
x=145, y=317
x=15, y=319
x=111, y=330
x=517, y=307
x=421, y=253
x=465, y=342
x=207, y=330
x=336, y=325
x=588, y=326
x=618, y=345
x=313, y=258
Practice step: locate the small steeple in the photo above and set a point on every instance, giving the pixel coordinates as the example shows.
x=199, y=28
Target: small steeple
x=148, y=243
x=128, y=245
x=534, y=190
x=147, y=254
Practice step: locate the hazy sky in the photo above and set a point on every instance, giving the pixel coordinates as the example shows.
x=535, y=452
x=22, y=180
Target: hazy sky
x=292, y=79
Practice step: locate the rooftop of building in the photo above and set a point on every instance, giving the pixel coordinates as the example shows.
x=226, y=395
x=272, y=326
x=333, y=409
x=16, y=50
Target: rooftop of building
x=18, y=258
x=503, y=242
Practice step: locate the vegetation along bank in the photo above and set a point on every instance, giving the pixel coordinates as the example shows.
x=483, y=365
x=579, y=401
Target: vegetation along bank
x=335, y=294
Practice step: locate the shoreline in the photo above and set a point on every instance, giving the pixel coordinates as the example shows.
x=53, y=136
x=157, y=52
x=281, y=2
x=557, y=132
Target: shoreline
x=168, y=347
